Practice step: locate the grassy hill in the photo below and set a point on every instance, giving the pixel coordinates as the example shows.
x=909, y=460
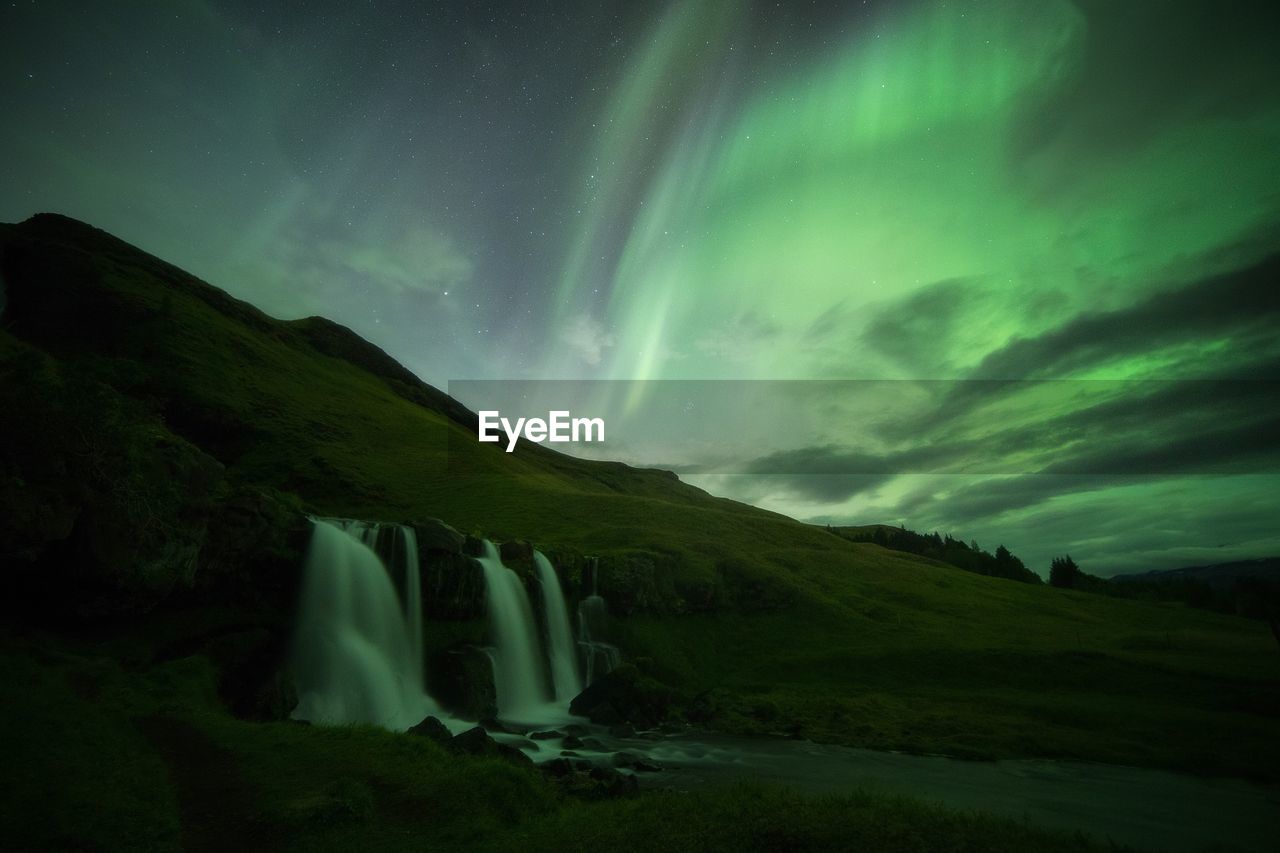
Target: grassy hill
x=758, y=622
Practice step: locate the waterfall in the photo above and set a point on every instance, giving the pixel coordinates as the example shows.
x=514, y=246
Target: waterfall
x=404, y=556
x=593, y=613
x=560, y=645
x=358, y=649
x=412, y=596
x=517, y=659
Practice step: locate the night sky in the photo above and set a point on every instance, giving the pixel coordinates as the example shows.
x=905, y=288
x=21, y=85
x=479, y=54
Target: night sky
x=927, y=192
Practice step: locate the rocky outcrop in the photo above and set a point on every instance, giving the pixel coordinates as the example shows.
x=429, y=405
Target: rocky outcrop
x=586, y=781
x=251, y=679
x=460, y=678
x=254, y=552
x=452, y=586
x=452, y=582
x=624, y=696
x=102, y=509
x=432, y=729
x=436, y=537
x=477, y=741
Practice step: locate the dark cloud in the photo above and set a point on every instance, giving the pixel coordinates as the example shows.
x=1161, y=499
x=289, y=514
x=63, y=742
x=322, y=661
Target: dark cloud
x=1149, y=65
x=823, y=473
x=917, y=329
x=1237, y=303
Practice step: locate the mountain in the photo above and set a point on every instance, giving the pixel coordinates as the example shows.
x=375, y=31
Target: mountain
x=162, y=443
x=1215, y=574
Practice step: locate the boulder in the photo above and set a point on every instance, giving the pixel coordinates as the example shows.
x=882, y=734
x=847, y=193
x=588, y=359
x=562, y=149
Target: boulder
x=624, y=696
x=612, y=783
x=589, y=782
x=635, y=761
x=254, y=553
x=251, y=677
x=453, y=587
x=477, y=741
x=436, y=536
x=545, y=735
x=518, y=551
x=474, y=741
x=557, y=767
x=461, y=679
x=432, y=729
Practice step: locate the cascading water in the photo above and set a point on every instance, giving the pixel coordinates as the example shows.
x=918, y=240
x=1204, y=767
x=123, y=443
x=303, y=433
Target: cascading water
x=517, y=660
x=560, y=645
x=404, y=557
x=412, y=595
x=357, y=652
x=593, y=613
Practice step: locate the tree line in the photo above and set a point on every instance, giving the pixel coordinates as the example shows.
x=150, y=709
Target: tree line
x=943, y=548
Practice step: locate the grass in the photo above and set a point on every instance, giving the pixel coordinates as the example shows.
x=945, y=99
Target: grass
x=108, y=759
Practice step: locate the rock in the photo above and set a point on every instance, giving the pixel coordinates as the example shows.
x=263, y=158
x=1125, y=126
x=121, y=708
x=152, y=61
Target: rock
x=604, y=714
x=461, y=679
x=254, y=553
x=518, y=551
x=515, y=756
x=557, y=767
x=453, y=587
x=613, y=783
x=103, y=510
x=493, y=724
x=432, y=729
x=474, y=741
x=251, y=680
x=593, y=744
x=525, y=744
x=572, y=742
x=434, y=535
x=634, y=761
x=594, y=783
x=623, y=730
x=547, y=735
x=624, y=696
x=477, y=741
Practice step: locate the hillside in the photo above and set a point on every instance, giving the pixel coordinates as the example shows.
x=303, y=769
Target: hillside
x=162, y=440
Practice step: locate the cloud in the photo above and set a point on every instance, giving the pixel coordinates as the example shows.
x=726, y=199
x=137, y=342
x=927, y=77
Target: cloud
x=1237, y=303
x=414, y=258
x=920, y=329
x=739, y=339
x=587, y=338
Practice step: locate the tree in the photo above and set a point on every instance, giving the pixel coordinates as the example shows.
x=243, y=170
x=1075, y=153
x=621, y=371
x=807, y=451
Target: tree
x=1063, y=572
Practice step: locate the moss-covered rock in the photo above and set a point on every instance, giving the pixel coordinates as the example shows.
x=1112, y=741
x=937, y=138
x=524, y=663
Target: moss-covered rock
x=105, y=511
x=461, y=679
x=453, y=586
x=436, y=537
x=624, y=696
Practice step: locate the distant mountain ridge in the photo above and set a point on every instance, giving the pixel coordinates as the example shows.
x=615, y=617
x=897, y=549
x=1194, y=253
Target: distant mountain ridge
x=1214, y=574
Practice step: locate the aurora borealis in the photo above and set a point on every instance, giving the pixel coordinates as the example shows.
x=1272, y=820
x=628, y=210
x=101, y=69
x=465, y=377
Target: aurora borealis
x=923, y=192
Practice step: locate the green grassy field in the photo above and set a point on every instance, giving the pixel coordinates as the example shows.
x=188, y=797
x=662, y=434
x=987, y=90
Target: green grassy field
x=109, y=759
